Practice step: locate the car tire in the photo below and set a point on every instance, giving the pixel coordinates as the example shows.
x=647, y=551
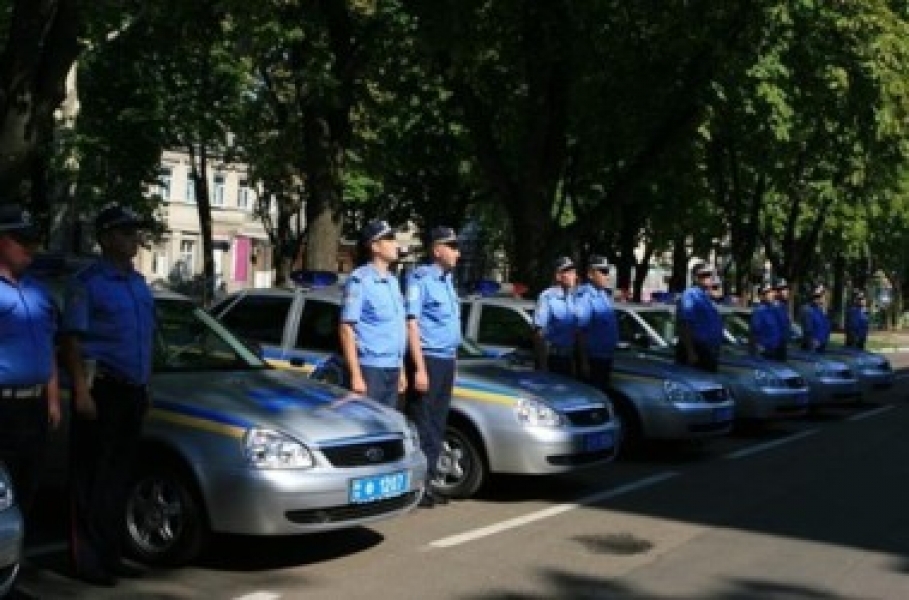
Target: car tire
x=631, y=433
x=462, y=469
x=165, y=524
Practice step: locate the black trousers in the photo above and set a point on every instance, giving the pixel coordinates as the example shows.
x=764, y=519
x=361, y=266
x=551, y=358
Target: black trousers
x=102, y=454
x=707, y=360
x=778, y=353
x=429, y=410
x=563, y=365
x=382, y=384
x=23, y=444
x=600, y=372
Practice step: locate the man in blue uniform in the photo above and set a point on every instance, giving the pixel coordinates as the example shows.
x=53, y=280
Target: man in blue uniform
x=765, y=324
x=556, y=321
x=857, y=322
x=108, y=327
x=698, y=323
x=433, y=336
x=372, y=329
x=29, y=397
x=598, y=323
x=784, y=324
x=815, y=324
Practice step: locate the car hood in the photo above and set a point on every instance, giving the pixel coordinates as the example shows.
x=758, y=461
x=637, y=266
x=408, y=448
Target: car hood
x=309, y=410
x=631, y=363
x=514, y=380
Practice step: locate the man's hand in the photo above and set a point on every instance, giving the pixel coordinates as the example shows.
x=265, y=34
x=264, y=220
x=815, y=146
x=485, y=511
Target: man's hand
x=85, y=405
x=53, y=410
x=402, y=382
x=357, y=384
x=421, y=381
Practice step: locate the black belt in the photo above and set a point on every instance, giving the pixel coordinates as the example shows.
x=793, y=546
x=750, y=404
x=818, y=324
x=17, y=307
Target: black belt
x=21, y=392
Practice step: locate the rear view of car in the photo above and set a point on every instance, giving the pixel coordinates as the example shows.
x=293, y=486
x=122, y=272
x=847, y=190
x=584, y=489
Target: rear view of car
x=12, y=534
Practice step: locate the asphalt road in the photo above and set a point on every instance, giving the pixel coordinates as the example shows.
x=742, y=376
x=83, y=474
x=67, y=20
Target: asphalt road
x=810, y=509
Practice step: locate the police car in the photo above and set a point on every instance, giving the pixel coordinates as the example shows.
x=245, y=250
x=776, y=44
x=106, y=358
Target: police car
x=763, y=389
x=231, y=445
x=12, y=534
x=873, y=370
x=831, y=381
x=503, y=418
x=652, y=400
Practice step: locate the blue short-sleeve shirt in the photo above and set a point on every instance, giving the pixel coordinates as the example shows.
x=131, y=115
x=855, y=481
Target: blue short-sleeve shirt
x=784, y=322
x=113, y=313
x=765, y=326
x=857, y=322
x=374, y=306
x=815, y=323
x=28, y=322
x=596, y=317
x=556, y=315
x=431, y=300
x=699, y=312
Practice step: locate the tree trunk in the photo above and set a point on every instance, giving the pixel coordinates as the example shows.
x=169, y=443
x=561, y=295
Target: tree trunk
x=325, y=141
x=203, y=205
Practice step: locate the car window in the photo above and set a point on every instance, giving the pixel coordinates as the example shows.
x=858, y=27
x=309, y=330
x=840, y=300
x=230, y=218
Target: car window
x=628, y=327
x=738, y=327
x=466, y=308
x=319, y=326
x=259, y=318
x=662, y=322
x=502, y=326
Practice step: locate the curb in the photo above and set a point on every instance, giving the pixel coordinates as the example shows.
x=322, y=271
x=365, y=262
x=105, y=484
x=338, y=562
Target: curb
x=892, y=350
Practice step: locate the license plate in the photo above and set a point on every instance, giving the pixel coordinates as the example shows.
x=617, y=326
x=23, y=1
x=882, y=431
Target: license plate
x=379, y=487
x=722, y=414
x=801, y=399
x=598, y=441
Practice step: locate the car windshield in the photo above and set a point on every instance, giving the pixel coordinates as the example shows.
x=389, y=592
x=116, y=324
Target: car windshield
x=662, y=322
x=188, y=339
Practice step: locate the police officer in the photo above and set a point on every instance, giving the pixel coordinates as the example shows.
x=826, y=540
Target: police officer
x=29, y=396
x=433, y=336
x=597, y=320
x=556, y=321
x=372, y=329
x=815, y=324
x=765, y=329
x=784, y=324
x=698, y=323
x=857, y=322
x=108, y=325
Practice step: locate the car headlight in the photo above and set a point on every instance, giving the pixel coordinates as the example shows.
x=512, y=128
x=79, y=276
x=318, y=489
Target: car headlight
x=270, y=449
x=411, y=438
x=537, y=413
x=7, y=498
x=679, y=393
x=766, y=379
x=824, y=370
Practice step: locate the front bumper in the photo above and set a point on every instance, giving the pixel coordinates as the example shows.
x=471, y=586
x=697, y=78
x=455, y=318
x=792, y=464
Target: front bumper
x=12, y=535
x=667, y=421
x=873, y=378
x=771, y=403
x=251, y=501
x=832, y=392
x=543, y=450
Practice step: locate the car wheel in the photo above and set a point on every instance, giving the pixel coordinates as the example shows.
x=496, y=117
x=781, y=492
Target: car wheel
x=461, y=469
x=631, y=434
x=164, y=521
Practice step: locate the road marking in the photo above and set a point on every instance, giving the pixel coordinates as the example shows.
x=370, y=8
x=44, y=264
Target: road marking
x=901, y=376
x=482, y=532
x=259, y=596
x=769, y=445
x=870, y=413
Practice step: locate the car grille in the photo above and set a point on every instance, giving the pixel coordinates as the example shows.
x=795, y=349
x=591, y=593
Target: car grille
x=710, y=427
x=588, y=417
x=351, y=512
x=715, y=396
x=794, y=382
x=368, y=453
x=581, y=459
x=844, y=374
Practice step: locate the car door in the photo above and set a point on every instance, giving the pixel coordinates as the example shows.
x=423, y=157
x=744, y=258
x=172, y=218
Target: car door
x=503, y=329
x=316, y=335
x=259, y=319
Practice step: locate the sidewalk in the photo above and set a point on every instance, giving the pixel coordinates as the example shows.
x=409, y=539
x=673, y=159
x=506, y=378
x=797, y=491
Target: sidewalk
x=887, y=341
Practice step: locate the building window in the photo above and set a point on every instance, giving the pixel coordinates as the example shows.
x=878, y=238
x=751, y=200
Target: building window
x=217, y=198
x=164, y=183
x=187, y=256
x=244, y=195
x=159, y=262
x=190, y=188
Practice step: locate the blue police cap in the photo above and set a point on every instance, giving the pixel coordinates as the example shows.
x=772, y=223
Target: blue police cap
x=702, y=270
x=563, y=263
x=599, y=263
x=858, y=295
x=443, y=235
x=780, y=284
x=116, y=216
x=819, y=290
x=15, y=218
x=376, y=230
x=765, y=287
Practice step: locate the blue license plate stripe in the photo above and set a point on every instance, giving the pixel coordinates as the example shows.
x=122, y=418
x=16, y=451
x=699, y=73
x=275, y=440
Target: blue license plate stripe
x=598, y=441
x=379, y=487
x=722, y=414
